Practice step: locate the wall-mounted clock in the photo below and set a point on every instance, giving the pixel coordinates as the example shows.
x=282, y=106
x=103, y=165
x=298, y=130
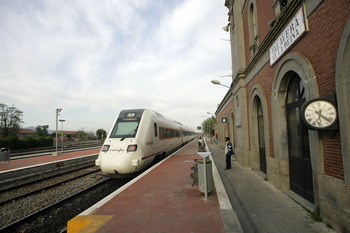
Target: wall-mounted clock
x=320, y=114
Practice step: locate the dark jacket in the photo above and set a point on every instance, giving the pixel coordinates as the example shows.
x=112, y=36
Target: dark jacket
x=229, y=148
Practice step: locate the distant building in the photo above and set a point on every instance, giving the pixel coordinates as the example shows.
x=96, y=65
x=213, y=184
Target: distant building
x=67, y=136
x=287, y=54
x=70, y=135
x=26, y=133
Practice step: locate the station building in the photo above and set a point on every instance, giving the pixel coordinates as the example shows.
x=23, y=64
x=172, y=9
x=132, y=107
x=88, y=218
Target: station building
x=287, y=111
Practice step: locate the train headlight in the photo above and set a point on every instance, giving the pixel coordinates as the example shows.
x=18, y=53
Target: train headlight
x=105, y=148
x=131, y=148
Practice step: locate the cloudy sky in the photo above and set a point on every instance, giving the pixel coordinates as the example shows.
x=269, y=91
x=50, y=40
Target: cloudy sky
x=96, y=58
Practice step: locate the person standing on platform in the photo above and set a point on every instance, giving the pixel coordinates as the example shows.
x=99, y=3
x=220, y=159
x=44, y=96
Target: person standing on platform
x=228, y=153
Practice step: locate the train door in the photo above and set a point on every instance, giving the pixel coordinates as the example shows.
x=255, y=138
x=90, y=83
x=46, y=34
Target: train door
x=182, y=135
x=155, y=140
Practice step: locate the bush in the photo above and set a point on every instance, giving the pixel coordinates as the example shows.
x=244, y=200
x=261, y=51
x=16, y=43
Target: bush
x=10, y=141
x=15, y=144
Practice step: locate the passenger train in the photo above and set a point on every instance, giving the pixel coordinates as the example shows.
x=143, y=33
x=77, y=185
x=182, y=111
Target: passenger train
x=137, y=138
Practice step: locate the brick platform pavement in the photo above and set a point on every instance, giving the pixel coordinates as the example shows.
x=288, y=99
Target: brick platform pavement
x=163, y=200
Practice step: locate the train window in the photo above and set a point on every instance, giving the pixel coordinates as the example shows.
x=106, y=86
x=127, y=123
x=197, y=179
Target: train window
x=168, y=133
x=155, y=130
x=125, y=129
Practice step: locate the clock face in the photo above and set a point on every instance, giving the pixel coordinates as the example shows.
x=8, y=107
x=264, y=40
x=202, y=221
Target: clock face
x=320, y=114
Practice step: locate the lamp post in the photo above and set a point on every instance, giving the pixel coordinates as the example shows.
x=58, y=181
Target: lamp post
x=58, y=110
x=217, y=82
x=62, y=134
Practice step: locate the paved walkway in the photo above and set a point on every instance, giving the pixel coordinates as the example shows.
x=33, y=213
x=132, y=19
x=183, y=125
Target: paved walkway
x=261, y=207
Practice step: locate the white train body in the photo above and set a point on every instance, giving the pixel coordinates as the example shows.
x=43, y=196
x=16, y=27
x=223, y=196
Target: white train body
x=137, y=137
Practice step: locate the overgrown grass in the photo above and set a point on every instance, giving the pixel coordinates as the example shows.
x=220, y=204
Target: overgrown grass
x=316, y=217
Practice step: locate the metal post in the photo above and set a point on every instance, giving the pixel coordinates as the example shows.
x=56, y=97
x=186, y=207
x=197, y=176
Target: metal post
x=62, y=137
x=62, y=134
x=56, y=129
x=58, y=110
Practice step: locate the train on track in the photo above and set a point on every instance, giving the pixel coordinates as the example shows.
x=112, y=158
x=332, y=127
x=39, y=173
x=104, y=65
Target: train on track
x=137, y=138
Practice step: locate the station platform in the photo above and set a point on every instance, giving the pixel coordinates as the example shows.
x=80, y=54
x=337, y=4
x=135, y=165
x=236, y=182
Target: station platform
x=162, y=199
x=34, y=161
x=21, y=171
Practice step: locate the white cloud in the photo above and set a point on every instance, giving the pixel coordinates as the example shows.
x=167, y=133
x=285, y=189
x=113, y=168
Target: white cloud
x=95, y=59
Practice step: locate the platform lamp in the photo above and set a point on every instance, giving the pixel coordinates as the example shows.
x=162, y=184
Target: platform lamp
x=58, y=110
x=62, y=133
x=226, y=28
x=217, y=82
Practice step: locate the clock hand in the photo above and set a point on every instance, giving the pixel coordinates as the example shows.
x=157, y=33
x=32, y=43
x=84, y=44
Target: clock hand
x=319, y=113
x=326, y=118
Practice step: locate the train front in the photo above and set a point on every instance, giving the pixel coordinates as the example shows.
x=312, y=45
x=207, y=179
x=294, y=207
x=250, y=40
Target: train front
x=120, y=154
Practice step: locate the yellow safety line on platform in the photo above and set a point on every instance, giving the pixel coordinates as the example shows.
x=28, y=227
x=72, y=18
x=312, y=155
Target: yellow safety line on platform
x=87, y=223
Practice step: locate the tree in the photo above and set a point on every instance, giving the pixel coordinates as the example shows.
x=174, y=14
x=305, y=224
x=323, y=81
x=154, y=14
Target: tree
x=91, y=135
x=101, y=134
x=208, y=124
x=41, y=130
x=10, y=120
x=81, y=134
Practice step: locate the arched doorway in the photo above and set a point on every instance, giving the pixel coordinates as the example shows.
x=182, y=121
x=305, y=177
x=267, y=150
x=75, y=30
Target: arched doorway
x=300, y=169
x=343, y=97
x=261, y=136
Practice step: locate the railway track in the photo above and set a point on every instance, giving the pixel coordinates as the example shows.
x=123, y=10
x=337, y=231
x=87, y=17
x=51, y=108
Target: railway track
x=53, y=217
x=24, y=190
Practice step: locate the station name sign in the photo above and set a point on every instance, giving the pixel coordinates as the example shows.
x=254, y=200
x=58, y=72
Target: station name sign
x=291, y=33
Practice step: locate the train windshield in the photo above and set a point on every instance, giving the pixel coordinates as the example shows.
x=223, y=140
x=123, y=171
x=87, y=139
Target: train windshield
x=125, y=129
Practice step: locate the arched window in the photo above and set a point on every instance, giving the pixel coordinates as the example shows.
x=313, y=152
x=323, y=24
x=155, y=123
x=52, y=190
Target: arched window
x=253, y=34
